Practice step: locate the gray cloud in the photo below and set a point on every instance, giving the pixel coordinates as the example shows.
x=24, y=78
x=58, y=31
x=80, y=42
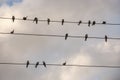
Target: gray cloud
x=57, y=50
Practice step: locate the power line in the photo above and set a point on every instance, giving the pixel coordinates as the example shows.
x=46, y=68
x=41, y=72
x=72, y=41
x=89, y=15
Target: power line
x=91, y=23
x=66, y=36
x=66, y=65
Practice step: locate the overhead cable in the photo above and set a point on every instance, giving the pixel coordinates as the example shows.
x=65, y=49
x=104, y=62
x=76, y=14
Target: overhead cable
x=27, y=64
x=66, y=36
x=62, y=21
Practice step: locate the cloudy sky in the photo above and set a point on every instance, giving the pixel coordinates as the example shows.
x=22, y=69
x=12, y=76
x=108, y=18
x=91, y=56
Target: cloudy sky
x=57, y=50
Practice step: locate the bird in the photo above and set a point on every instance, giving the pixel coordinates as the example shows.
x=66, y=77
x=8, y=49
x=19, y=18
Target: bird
x=93, y=23
x=64, y=63
x=106, y=38
x=36, y=20
x=48, y=20
x=44, y=64
x=36, y=65
x=12, y=32
x=79, y=22
x=13, y=18
x=66, y=36
x=27, y=64
x=86, y=36
x=25, y=18
x=89, y=22
x=104, y=22
x=63, y=21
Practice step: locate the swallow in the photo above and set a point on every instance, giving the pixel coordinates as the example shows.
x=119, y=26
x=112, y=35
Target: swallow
x=12, y=32
x=89, y=22
x=86, y=36
x=13, y=18
x=27, y=64
x=66, y=36
x=106, y=38
x=48, y=21
x=63, y=21
x=36, y=20
x=25, y=18
x=79, y=22
x=104, y=22
x=64, y=63
x=44, y=64
x=36, y=65
x=93, y=23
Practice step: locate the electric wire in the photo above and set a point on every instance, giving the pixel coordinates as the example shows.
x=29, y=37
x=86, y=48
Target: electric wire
x=67, y=65
x=54, y=35
x=56, y=21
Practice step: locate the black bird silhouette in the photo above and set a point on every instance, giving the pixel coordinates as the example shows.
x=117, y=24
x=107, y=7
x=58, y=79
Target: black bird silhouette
x=12, y=32
x=86, y=36
x=13, y=18
x=106, y=38
x=63, y=21
x=48, y=21
x=79, y=22
x=27, y=64
x=66, y=36
x=25, y=18
x=93, y=23
x=64, y=63
x=104, y=22
x=36, y=65
x=89, y=22
x=44, y=64
x=36, y=20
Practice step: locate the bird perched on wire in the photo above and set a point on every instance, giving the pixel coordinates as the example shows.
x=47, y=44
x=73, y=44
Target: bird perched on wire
x=106, y=38
x=27, y=64
x=48, y=21
x=89, y=22
x=86, y=36
x=44, y=64
x=36, y=20
x=104, y=22
x=66, y=36
x=25, y=18
x=13, y=18
x=64, y=63
x=63, y=21
x=36, y=65
x=93, y=23
x=12, y=32
x=79, y=22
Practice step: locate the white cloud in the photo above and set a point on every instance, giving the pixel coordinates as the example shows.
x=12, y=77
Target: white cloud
x=54, y=50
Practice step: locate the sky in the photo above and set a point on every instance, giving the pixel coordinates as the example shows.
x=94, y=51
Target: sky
x=9, y=2
x=57, y=50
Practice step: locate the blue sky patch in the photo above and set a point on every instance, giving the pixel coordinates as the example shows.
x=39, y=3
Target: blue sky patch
x=9, y=2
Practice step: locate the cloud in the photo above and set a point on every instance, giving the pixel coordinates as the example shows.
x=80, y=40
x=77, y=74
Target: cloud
x=57, y=50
